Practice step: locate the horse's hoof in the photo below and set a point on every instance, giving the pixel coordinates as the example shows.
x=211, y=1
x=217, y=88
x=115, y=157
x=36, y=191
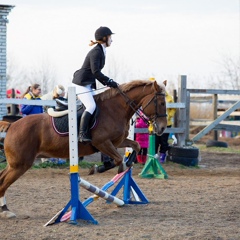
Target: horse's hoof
x=7, y=214
x=93, y=170
x=127, y=162
x=122, y=167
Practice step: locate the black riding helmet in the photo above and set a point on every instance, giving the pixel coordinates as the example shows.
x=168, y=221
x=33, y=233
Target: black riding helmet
x=102, y=32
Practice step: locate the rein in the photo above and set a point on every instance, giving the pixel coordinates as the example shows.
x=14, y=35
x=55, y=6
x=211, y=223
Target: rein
x=95, y=90
x=138, y=111
x=133, y=106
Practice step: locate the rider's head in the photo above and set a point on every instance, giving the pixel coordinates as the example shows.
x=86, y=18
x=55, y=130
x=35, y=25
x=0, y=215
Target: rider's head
x=103, y=36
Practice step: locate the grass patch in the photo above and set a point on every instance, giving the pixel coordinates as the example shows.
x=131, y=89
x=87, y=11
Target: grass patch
x=217, y=149
x=81, y=164
x=3, y=165
x=181, y=166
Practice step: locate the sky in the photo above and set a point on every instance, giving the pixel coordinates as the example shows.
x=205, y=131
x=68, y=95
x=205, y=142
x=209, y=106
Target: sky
x=154, y=38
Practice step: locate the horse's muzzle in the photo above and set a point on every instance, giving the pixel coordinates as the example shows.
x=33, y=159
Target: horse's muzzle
x=159, y=129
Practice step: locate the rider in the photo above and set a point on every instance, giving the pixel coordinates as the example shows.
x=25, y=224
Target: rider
x=85, y=77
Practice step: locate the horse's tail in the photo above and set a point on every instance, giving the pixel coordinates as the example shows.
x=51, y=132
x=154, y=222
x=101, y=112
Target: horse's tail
x=4, y=126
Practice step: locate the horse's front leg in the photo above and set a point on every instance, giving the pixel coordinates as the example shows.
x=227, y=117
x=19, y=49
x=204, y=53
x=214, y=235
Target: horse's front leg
x=129, y=161
x=130, y=143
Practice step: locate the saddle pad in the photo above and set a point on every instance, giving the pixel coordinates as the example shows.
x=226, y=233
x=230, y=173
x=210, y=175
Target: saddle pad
x=60, y=124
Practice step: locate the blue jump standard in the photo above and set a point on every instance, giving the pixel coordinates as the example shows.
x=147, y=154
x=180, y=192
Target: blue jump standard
x=79, y=210
x=127, y=182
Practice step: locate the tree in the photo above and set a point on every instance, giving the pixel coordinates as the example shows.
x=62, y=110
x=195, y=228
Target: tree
x=230, y=74
x=21, y=78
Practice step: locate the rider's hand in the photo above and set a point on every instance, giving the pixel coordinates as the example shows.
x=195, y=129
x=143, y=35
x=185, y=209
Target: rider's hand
x=111, y=83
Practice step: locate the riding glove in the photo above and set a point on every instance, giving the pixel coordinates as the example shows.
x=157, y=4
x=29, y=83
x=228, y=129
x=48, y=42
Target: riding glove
x=111, y=83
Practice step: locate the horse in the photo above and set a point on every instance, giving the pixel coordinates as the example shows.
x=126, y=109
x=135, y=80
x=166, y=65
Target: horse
x=34, y=136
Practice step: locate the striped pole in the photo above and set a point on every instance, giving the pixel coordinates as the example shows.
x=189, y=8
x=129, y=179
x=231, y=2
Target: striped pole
x=94, y=197
x=105, y=187
x=101, y=193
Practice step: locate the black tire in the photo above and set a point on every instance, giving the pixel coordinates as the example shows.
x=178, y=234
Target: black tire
x=189, y=162
x=186, y=151
x=214, y=143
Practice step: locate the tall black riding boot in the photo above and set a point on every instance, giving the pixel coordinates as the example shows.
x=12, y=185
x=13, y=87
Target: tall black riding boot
x=84, y=134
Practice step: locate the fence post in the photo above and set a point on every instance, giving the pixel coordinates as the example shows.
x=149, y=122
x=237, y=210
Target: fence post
x=175, y=99
x=187, y=125
x=215, y=116
x=181, y=112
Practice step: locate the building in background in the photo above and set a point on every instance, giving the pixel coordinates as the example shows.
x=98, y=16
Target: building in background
x=4, y=11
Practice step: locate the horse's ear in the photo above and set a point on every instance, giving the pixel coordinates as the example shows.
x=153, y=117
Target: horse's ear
x=165, y=82
x=156, y=85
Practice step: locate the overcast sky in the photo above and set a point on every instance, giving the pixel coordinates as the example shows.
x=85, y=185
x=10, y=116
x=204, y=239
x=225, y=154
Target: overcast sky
x=154, y=38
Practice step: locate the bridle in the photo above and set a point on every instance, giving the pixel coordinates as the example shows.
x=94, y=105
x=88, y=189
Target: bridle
x=139, y=111
x=156, y=115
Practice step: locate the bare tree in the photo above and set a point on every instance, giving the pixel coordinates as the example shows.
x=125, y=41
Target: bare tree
x=45, y=76
x=117, y=69
x=230, y=77
x=20, y=78
x=15, y=75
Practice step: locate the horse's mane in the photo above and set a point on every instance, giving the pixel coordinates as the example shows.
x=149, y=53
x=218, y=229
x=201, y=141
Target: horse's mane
x=125, y=87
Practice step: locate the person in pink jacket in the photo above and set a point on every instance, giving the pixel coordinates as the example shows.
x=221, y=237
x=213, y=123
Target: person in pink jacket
x=143, y=140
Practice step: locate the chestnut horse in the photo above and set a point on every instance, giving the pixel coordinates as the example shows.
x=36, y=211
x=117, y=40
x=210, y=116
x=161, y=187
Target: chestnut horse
x=34, y=135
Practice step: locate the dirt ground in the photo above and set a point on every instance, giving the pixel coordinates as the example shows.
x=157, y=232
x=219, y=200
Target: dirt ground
x=193, y=203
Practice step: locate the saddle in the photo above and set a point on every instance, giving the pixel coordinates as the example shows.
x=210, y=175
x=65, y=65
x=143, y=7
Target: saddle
x=60, y=123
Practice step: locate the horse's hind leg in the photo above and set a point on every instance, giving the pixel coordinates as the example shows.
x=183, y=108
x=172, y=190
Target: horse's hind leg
x=7, y=177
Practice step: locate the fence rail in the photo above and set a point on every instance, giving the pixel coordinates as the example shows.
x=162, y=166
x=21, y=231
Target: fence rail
x=27, y=102
x=182, y=116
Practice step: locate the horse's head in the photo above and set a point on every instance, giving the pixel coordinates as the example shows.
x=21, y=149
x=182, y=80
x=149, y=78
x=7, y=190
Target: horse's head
x=154, y=107
x=141, y=93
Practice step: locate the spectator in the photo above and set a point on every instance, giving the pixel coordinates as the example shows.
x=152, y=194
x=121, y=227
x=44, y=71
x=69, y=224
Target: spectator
x=108, y=163
x=32, y=93
x=57, y=93
x=161, y=142
x=142, y=139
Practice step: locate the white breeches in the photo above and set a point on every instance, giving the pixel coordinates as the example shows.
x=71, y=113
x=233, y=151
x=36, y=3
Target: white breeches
x=85, y=95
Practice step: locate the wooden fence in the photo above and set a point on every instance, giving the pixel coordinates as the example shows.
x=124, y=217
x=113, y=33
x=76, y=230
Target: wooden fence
x=182, y=116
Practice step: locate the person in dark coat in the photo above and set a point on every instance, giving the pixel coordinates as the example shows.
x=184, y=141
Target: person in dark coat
x=85, y=78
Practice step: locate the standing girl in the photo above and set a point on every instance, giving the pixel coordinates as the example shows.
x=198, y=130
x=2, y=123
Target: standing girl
x=32, y=93
x=143, y=140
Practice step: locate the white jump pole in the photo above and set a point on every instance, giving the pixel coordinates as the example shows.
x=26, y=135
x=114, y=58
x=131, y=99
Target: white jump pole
x=101, y=193
x=78, y=210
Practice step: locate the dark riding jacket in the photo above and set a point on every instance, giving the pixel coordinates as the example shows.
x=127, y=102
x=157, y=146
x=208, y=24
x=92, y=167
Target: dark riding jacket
x=91, y=68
